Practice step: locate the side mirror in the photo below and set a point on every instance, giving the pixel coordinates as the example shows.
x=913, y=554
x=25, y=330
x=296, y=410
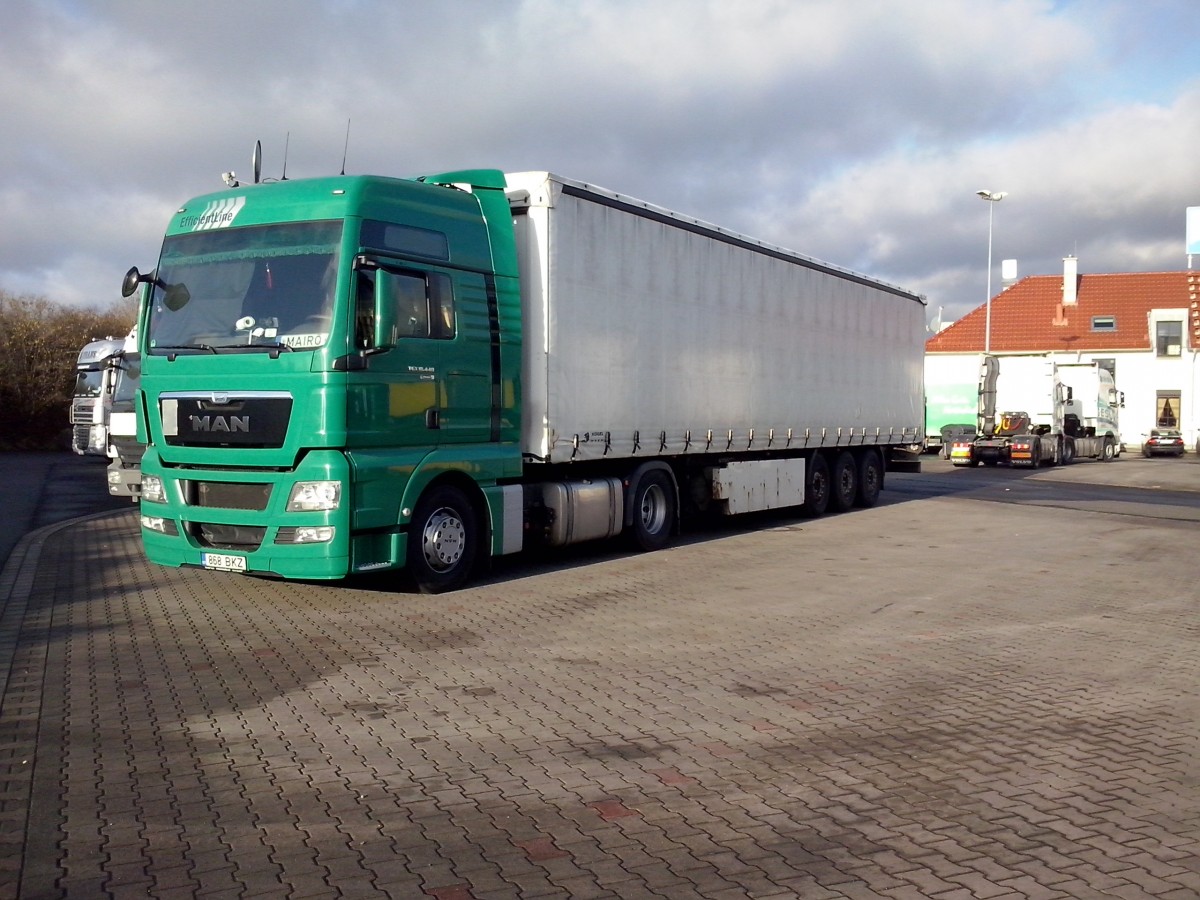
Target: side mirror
x=385, y=312
x=129, y=284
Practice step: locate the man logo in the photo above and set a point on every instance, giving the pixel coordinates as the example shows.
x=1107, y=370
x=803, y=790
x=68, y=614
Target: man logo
x=227, y=424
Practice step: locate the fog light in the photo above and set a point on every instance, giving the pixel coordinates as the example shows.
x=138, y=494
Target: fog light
x=159, y=524
x=305, y=534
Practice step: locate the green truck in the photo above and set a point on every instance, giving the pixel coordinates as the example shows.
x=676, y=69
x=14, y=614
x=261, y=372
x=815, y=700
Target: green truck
x=359, y=373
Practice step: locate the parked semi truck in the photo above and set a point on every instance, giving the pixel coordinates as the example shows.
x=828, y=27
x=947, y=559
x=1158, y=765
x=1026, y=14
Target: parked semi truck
x=951, y=399
x=350, y=374
x=91, y=398
x=1036, y=411
x=124, y=448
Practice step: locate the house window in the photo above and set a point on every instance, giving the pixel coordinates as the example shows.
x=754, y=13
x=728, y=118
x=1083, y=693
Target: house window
x=1167, y=409
x=1104, y=323
x=1169, y=338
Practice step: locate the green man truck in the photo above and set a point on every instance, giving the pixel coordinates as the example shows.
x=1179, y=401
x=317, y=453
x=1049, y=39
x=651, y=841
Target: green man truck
x=358, y=373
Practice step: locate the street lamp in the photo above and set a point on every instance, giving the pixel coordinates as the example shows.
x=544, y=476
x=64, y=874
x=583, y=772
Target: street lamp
x=993, y=197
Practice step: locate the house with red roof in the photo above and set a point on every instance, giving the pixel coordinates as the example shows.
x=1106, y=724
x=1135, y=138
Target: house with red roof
x=1144, y=327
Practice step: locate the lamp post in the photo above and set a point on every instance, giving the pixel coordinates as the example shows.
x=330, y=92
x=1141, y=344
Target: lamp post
x=993, y=197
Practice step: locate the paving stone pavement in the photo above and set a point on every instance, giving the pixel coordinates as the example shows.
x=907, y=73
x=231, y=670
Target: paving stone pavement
x=878, y=704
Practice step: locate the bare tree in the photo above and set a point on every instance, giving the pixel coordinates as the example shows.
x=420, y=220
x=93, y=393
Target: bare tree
x=39, y=342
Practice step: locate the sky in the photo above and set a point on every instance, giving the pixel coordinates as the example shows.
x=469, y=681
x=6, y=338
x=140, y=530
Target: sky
x=854, y=131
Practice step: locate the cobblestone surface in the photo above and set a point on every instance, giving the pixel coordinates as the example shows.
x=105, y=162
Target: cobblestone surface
x=879, y=704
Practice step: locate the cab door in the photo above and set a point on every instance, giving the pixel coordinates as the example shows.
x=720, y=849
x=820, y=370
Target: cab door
x=433, y=387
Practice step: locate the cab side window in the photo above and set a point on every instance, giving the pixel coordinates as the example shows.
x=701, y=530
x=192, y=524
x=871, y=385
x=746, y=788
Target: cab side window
x=409, y=298
x=424, y=305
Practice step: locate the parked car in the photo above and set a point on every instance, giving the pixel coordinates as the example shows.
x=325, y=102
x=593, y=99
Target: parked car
x=1163, y=442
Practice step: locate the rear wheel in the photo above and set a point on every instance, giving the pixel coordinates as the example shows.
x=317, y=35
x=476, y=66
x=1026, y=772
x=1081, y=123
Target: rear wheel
x=443, y=540
x=845, y=482
x=1068, y=452
x=816, y=486
x=654, y=505
x=870, y=479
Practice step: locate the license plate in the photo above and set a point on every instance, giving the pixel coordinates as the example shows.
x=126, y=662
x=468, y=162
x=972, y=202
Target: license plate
x=223, y=562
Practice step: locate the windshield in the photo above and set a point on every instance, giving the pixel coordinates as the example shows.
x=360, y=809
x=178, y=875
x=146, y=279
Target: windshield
x=88, y=382
x=128, y=376
x=236, y=287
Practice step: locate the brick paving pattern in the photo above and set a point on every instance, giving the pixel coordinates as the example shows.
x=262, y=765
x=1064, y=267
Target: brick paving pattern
x=879, y=704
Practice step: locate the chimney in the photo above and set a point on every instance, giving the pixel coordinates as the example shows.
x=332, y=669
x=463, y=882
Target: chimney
x=1070, y=280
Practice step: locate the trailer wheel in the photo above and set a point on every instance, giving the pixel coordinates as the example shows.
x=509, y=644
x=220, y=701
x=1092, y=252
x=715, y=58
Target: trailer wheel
x=443, y=540
x=845, y=482
x=816, y=487
x=870, y=479
x=1109, y=450
x=654, y=505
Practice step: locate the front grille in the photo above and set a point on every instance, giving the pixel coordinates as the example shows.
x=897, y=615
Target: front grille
x=227, y=495
x=83, y=411
x=235, y=419
x=227, y=537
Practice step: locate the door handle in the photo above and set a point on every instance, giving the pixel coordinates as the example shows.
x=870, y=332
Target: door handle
x=433, y=418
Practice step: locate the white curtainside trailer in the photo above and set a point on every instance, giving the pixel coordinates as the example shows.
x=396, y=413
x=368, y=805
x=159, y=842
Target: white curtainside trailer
x=651, y=334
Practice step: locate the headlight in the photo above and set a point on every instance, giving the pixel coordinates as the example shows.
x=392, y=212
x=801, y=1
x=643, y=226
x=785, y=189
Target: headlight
x=307, y=496
x=152, y=489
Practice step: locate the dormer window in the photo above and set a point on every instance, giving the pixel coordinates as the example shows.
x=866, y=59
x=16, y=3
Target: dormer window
x=1169, y=338
x=1104, y=323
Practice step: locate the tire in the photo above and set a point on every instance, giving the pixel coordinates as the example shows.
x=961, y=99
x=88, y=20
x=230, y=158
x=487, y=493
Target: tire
x=844, y=482
x=1068, y=452
x=1035, y=455
x=870, y=479
x=654, y=506
x=817, y=486
x=443, y=540
x=1109, y=451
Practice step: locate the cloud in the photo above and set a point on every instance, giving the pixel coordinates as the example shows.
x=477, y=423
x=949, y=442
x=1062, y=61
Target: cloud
x=857, y=133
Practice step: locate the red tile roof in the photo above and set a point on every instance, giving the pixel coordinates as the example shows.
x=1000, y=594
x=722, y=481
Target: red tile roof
x=1030, y=317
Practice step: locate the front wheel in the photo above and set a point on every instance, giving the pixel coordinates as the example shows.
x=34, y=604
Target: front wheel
x=1109, y=451
x=654, y=505
x=443, y=540
x=1068, y=452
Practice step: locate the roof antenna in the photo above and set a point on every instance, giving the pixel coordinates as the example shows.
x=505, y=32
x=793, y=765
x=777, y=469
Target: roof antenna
x=346, y=149
x=287, y=140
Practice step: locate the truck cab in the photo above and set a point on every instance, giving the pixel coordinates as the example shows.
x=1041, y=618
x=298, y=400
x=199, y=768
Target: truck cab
x=91, y=398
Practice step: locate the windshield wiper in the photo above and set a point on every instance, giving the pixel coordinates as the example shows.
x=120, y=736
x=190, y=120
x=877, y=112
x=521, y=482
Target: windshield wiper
x=208, y=348
x=279, y=345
